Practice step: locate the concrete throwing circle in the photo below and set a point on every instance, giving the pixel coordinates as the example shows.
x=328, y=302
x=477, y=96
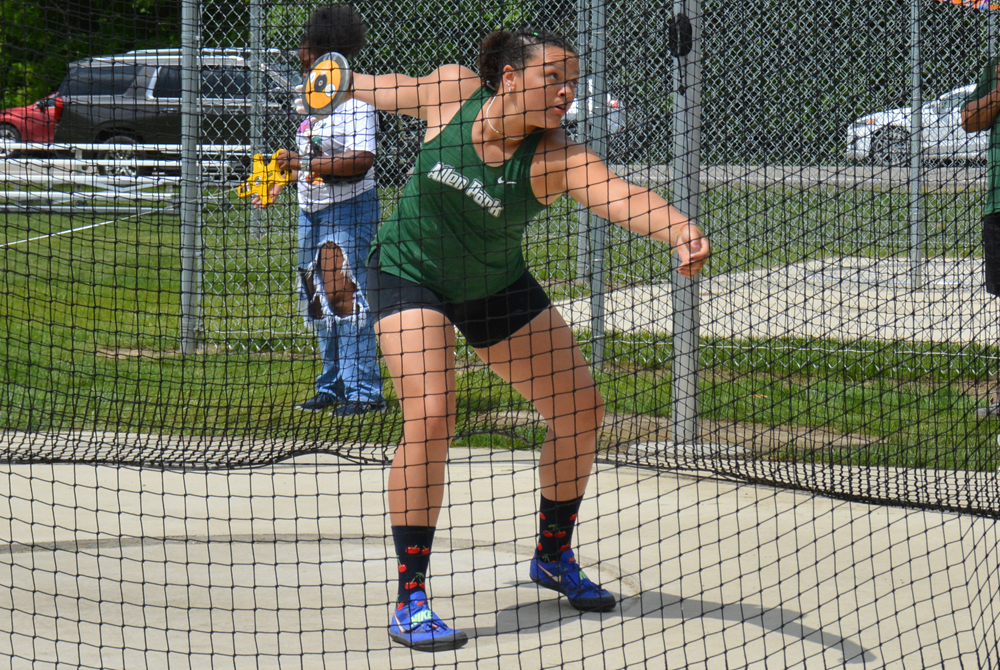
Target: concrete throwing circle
x=253, y=597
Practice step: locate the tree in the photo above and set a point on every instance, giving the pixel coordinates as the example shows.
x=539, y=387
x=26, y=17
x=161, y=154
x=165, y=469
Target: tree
x=38, y=39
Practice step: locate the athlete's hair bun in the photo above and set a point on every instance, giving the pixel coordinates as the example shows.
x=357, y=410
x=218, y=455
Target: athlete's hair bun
x=503, y=47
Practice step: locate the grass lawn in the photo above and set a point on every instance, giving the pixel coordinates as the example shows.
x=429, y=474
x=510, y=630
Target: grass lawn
x=90, y=326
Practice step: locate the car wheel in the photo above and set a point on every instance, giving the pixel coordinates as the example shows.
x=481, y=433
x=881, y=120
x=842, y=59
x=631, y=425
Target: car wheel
x=124, y=157
x=8, y=134
x=891, y=146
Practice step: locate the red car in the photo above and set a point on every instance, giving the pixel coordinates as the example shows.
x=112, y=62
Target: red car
x=32, y=123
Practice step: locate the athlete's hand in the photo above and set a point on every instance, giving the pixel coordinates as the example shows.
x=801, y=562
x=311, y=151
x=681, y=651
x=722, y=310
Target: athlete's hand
x=692, y=249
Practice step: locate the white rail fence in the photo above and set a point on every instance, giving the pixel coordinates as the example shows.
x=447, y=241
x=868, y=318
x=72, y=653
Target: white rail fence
x=110, y=178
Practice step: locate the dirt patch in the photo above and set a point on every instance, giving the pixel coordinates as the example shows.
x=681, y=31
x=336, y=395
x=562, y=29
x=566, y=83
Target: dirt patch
x=121, y=353
x=125, y=353
x=622, y=430
x=761, y=439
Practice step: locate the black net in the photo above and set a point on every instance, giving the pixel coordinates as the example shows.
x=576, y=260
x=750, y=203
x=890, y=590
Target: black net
x=794, y=452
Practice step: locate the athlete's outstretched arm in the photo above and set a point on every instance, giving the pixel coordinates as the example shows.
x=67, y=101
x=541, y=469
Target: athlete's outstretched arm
x=416, y=96
x=589, y=182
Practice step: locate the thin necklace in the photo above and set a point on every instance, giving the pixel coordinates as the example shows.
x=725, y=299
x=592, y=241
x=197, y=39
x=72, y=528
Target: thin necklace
x=490, y=121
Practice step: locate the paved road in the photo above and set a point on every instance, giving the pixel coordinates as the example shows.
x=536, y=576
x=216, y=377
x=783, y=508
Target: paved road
x=846, y=299
x=934, y=178
x=838, y=176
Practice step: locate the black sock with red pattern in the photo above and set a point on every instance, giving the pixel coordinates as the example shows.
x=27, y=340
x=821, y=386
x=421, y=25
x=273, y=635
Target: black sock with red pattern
x=556, y=520
x=413, y=548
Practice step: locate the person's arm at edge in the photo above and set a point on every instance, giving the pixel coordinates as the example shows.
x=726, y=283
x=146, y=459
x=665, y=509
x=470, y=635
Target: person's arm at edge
x=981, y=113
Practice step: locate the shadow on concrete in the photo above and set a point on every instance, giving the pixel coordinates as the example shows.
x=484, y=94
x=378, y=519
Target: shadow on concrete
x=548, y=614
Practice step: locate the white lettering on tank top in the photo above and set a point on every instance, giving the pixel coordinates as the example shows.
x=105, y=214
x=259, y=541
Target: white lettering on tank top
x=449, y=176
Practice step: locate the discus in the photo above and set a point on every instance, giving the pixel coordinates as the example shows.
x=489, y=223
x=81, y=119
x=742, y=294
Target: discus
x=327, y=85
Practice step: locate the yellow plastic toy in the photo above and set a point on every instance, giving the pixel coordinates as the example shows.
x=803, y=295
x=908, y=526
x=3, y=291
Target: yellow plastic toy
x=262, y=178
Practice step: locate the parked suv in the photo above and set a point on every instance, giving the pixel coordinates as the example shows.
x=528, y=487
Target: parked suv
x=135, y=98
x=398, y=142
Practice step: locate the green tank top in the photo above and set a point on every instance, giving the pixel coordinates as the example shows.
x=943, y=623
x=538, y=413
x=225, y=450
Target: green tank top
x=460, y=223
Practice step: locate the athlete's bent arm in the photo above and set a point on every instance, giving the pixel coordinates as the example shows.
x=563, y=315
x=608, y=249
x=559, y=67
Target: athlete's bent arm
x=981, y=114
x=589, y=182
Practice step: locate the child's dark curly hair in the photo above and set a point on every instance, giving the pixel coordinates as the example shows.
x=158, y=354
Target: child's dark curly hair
x=334, y=27
x=503, y=47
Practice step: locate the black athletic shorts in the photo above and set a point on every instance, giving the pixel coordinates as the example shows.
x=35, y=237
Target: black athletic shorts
x=484, y=321
x=991, y=253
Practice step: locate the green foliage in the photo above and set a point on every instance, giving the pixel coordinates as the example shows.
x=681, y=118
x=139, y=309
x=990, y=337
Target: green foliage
x=781, y=79
x=784, y=79
x=416, y=37
x=38, y=39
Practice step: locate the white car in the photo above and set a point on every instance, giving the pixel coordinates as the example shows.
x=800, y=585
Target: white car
x=884, y=137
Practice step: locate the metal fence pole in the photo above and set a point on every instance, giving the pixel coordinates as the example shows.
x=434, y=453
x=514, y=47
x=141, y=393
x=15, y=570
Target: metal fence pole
x=916, y=195
x=991, y=32
x=256, y=100
x=190, y=210
x=686, y=191
x=583, y=134
x=598, y=226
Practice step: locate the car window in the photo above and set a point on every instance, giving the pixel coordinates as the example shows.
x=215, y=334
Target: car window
x=168, y=82
x=217, y=82
x=272, y=82
x=99, y=80
x=282, y=76
x=951, y=102
x=225, y=82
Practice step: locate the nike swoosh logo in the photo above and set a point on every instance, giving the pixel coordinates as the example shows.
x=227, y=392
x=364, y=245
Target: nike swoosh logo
x=502, y=181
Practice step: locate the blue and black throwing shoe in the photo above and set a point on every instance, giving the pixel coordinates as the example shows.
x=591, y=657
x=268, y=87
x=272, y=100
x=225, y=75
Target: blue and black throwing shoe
x=415, y=625
x=566, y=577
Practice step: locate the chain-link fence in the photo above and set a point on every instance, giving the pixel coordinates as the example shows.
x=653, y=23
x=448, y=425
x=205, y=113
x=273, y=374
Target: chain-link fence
x=838, y=344
x=798, y=92
x=635, y=98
